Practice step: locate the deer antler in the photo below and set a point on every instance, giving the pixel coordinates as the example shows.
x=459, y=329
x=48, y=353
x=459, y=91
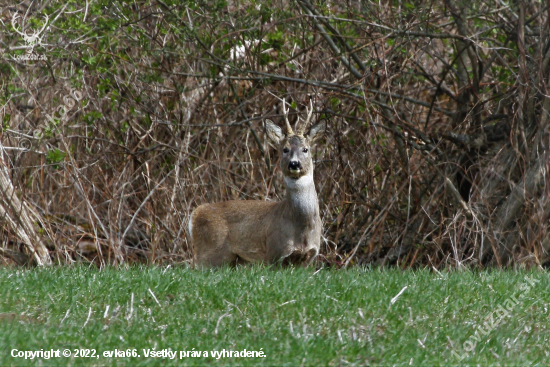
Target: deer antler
x=309, y=110
x=45, y=25
x=33, y=39
x=13, y=19
x=288, y=128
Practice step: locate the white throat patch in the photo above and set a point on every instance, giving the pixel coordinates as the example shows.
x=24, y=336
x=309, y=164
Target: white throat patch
x=300, y=183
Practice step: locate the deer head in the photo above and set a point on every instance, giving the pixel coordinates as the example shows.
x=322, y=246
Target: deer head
x=33, y=39
x=295, y=147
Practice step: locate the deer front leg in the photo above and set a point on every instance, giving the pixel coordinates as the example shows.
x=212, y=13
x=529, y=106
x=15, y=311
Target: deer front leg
x=311, y=255
x=277, y=250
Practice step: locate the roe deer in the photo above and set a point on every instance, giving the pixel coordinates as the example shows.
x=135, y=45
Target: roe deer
x=261, y=231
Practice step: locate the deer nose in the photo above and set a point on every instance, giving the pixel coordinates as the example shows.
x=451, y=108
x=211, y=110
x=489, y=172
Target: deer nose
x=294, y=166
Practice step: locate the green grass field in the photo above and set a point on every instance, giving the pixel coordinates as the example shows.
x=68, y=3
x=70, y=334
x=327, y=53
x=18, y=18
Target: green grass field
x=292, y=317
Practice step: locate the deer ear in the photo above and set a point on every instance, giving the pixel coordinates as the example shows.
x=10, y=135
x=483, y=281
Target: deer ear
x=274, y=132
x=316, y=131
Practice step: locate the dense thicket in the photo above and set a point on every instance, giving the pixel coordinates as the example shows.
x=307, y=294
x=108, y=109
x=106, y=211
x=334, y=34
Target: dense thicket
x=130, y=114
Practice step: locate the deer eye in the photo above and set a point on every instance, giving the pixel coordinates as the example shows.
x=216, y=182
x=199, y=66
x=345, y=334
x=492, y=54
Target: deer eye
x=305, y=150
x=286, y=150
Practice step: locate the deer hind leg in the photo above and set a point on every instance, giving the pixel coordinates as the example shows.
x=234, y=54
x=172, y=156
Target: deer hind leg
x=215, y=259
x=209, y=236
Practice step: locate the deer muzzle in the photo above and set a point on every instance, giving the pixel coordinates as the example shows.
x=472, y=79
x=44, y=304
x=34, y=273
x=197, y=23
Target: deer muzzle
x=294, y=167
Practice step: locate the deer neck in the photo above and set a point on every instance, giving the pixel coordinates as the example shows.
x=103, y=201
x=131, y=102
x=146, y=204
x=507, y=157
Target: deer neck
x=301, y=198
